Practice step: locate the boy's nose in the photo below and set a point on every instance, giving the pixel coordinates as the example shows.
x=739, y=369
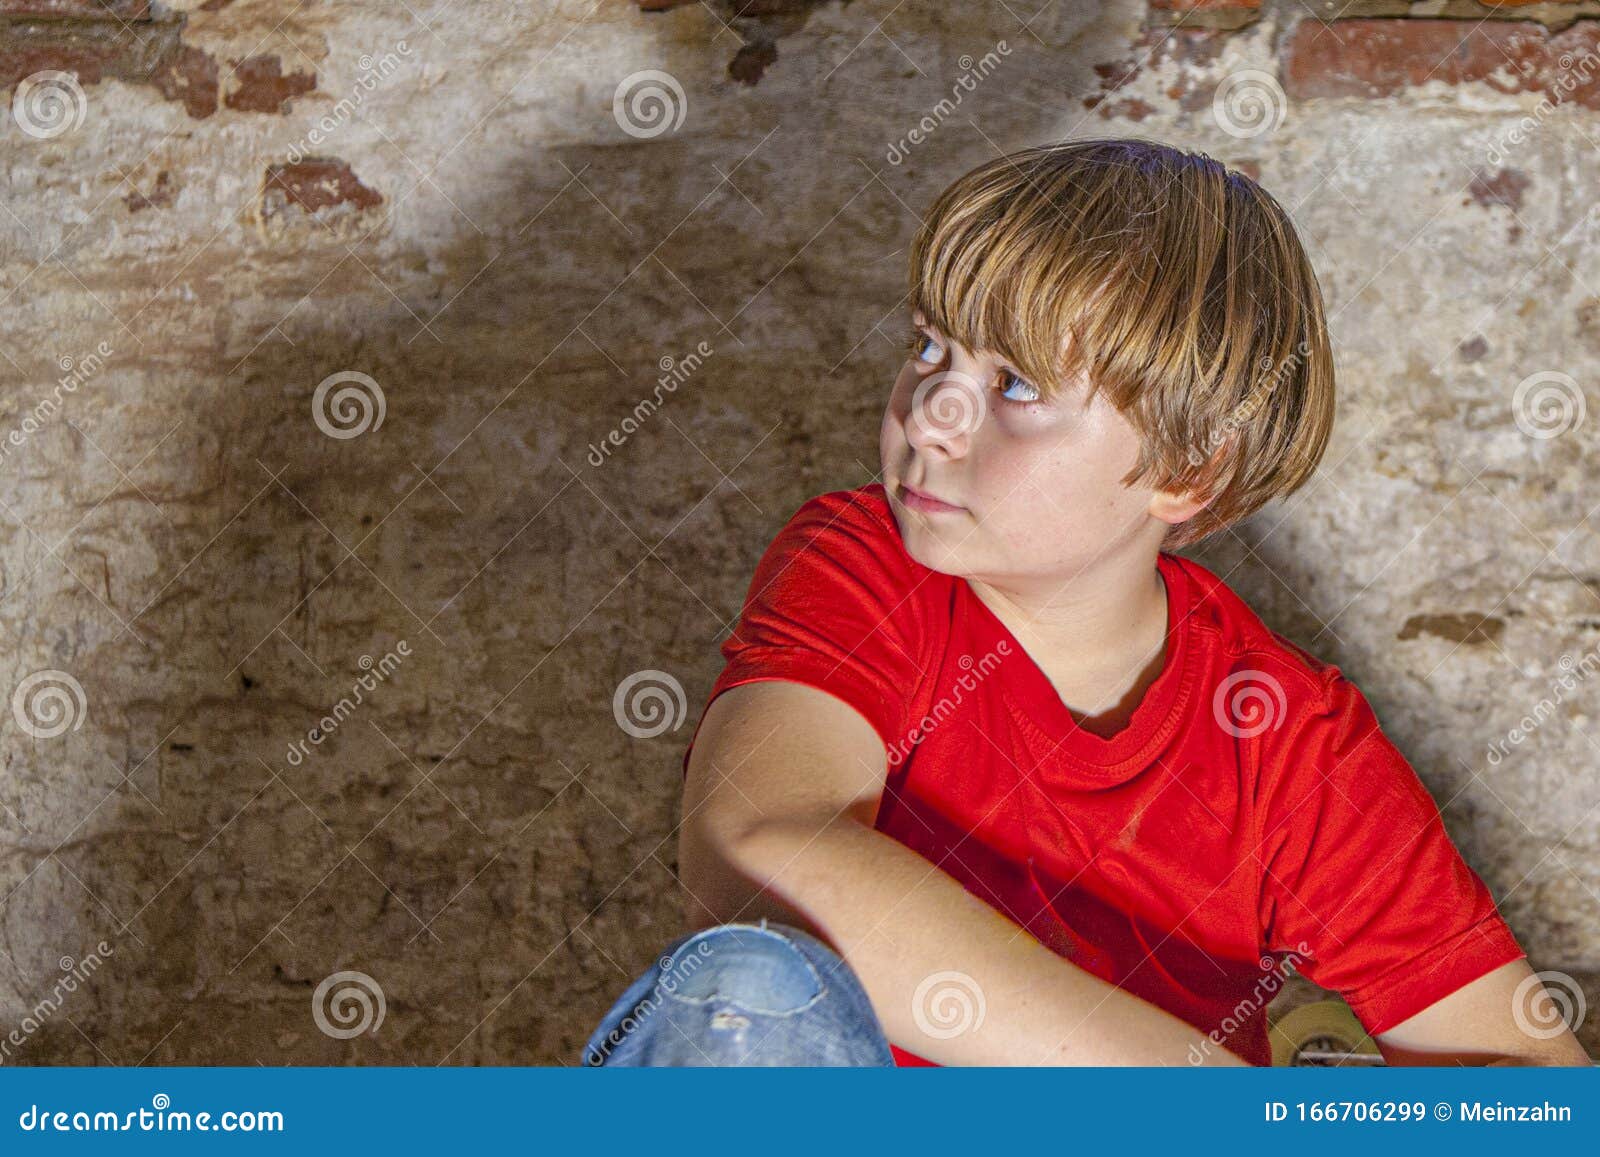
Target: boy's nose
x=946, y=409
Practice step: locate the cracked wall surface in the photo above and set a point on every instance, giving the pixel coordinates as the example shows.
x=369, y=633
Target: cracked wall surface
x=342, y=488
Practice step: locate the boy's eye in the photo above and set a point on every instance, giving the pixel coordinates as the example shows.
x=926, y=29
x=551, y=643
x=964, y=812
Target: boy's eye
x=1009, y=380
x=918, y=344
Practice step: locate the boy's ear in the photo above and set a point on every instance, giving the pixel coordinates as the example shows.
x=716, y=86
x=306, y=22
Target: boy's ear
x=1176, y=505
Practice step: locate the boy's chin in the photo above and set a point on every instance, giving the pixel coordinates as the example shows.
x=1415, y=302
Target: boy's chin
x=928, y=549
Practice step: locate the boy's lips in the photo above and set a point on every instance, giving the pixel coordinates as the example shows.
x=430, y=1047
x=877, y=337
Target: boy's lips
x=920, y=500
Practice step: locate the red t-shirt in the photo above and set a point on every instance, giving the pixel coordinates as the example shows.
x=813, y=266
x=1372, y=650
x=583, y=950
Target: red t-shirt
x=1250, y=813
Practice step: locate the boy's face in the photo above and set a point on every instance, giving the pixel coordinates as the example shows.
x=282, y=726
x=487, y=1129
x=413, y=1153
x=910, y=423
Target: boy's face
x=1037, y=482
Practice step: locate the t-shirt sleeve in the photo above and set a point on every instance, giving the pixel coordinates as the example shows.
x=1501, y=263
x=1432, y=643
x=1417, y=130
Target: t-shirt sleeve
x=835, y=603
x=1360, y=883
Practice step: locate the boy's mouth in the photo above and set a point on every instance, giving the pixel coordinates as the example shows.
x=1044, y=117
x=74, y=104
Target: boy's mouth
x=917, y=500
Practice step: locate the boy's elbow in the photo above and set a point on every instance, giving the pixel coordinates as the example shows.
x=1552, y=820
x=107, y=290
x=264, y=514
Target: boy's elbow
x=729, y=866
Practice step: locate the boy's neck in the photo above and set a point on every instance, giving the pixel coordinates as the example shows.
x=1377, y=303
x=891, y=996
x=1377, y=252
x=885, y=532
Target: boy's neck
x=1100, y=636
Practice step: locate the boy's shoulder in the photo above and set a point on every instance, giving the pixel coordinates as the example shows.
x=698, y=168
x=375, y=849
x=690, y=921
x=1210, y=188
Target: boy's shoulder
x=1249, y=646
x=856, y=525
x=861, y=509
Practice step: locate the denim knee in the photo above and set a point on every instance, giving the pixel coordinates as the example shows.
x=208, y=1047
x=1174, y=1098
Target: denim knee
x=743, y=994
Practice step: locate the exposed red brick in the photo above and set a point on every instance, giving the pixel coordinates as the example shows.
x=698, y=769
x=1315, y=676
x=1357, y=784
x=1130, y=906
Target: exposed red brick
x=1131, y=109
x=189, y=75
x=1116, y=73
x=259, y=84
x=1503, y=187
x=314, y=184
x=93, y=49
x=1190, y=48
x=1373, y=57
x=159, y=197
x=96, y=43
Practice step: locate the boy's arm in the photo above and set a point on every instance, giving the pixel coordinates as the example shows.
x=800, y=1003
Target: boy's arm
x=1480, y=1024
x=1358, y=869
x=782, y=792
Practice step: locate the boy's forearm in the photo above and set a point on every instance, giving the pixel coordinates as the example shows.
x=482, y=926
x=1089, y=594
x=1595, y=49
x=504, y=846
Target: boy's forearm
x=898, y=920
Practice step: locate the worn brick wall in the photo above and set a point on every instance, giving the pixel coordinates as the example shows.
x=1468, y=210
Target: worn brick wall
x=416, y=354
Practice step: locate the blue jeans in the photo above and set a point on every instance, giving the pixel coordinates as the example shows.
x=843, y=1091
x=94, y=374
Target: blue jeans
x=742, y=995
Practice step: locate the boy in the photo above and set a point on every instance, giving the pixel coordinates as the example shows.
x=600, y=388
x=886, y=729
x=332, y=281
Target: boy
x=1056, y=794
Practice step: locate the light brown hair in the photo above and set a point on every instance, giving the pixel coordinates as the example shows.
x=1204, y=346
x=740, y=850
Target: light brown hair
x=1175, y=284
